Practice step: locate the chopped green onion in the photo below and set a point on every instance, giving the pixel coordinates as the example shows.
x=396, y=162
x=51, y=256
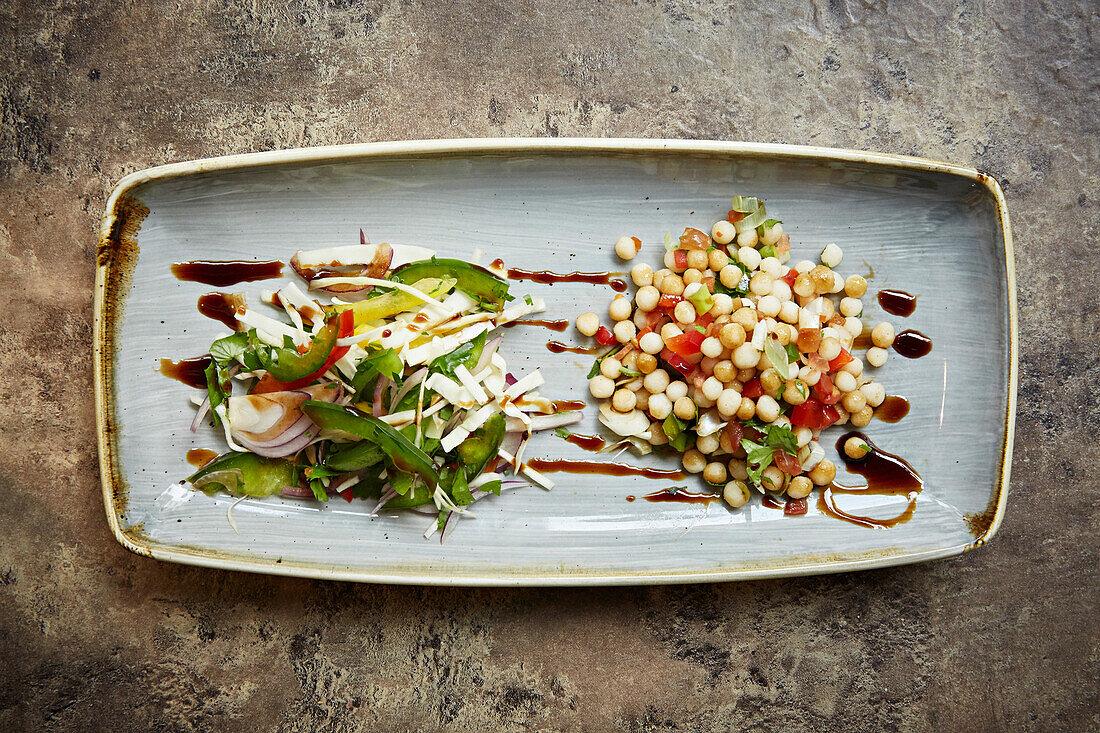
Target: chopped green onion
x=745, y=204
x=701, y=300
x=768, y=250
x=751, y=221
x=671, y=242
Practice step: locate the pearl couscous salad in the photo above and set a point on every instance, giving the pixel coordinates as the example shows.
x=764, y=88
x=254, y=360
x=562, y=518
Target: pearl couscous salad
x=738, y=360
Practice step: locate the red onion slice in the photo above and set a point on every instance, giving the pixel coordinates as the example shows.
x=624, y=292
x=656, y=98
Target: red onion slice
x=387, y=494
x=296, y=492
x=280, y=451
x=376, y=405
x=301, y=425
x=487, y=354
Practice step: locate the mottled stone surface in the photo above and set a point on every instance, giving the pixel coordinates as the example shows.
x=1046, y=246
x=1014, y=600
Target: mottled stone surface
x=94, y=638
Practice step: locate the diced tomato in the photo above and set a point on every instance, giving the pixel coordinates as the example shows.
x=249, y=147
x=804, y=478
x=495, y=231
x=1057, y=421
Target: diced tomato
x=348, y=496
x=668, y=302
x=734, y=216
x=795, y=507
x=790, y=277
x=810, y=414
x=753, y=434
x=709, y=282
x=830, y=414
x=826, y=391
x=840, y=361
x=705, y=320
x=604, y=336
x=786, y=463
x=734, y=432
x=753, y=389
x=817, y=361
x=677, y=362
x=655, y=319
x=686, y=344
x=697, y=378
x=695, y=239
x=680, y=259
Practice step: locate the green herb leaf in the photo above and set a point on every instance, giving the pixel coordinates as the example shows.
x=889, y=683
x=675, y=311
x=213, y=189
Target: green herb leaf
x=793, y=354
x=599, y=360
x=777, y=355
x=623, y=371
x=460, y=490
x=782, y=438
x=562, y=433
x=767, y=250
x=318, y=490
x=492, y=486
x=671, y=243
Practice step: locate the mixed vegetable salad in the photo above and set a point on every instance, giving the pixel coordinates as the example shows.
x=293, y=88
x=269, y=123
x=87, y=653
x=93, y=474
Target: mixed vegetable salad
x=738, y=361
x=391, y=389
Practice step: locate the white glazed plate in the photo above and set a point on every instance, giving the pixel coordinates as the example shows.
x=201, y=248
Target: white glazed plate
x=932, y=229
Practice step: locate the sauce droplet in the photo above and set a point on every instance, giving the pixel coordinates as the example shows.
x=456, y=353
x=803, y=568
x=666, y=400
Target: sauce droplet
x=554, y=465
x=220, y=307
x=679, y=495
x=498, y=264
x=897, y=302
x=892, y=409
x=558, y=347
x=199, y=457
x=770, y=502
x=558, y=326
x=631, y=498
x=886, y=474
x=189, y=371
x=231, y=272
x=912, y=344
x=565, y=405
x=588, y=442
x=545, y=277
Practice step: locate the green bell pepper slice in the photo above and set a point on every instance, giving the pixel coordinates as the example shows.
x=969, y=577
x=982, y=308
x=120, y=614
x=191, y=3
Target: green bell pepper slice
x=404, y=454
x=287, y=365
x=354, y=457
x=482, y=445
x=466, y=355
x=252, y=474
x=476, y=281
x=415, y=493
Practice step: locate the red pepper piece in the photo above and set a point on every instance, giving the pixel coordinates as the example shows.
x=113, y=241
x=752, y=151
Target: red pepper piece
x=826, y=391
x=686, y=344
x=840, y=361
x=348, y=496
x=604, y=337
x=694, y=239
x=680, y=259
x=677, y=362
x=786, y=463
x=734, y=216
x=668, y=302
x=790, y=277
x=753, y=389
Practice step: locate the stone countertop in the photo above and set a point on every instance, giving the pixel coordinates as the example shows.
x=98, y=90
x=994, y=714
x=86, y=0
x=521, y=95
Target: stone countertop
x=95, y=638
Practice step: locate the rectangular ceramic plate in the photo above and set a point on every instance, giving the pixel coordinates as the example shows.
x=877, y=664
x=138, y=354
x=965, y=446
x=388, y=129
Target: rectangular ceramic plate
x=936, y=230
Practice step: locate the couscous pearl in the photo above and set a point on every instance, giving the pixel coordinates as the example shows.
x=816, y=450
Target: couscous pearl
x=641, y=398
x=838, y=283
x=676, y=391
x=723, y=232
x=769, y=306
x=788, y=312
x=684, y=312
x=746, y=356
x=851, y=306
x=748, y=256
x=745, y=317
x=796, y=392
x=736, y=494
x=693, y=461
x=717, y=259
x=804, y=266
x=707, y=364
x=829, y=349
x=854, y=401
x=641, y=274
x=647, y=298
x=672, y=284
x=854, y=367
x=781, y=290
x=882, y=335
x=684, y=408
x=670, y=330
x=747, y=410
x=714, y=473
x=640, y=319
x=624, y=331
x=772, y=234
x=747, y=238
x=692, y=275
x=771, y=266
x=624, y=400
x=659, y=406
x=772, y=478
x=697, y=259
x=724, y=371
x=862, y=418
x=728, y=401
x=730, y=276
x=874, y=392
x=721, y=305
x=739, y=471
x=646, y=363
x=711, y=347
x=588, y=323
x=761, y=283
x=803, y=286
x=844, y=381
x=809, y=375
x=732, y=335
x=712, y=388
x=823, y=473
x=627, y=247
x=831, y=255
x=601, y=387
x=656, y=381
x=651, y=343
x=855, y=286
x=799, y=487
x=610, y=367
x=853, y=325
x=876, y=356
x=767, y=409
x=619, y=310
x=803, y=436
x=707, y=444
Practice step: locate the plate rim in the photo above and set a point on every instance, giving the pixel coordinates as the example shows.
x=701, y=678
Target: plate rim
x=107, y=262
